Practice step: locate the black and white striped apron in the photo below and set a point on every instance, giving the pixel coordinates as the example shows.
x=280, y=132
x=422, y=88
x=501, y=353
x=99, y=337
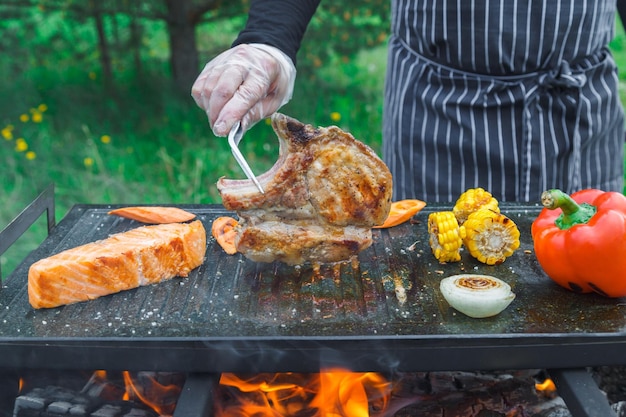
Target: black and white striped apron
x=515, y=96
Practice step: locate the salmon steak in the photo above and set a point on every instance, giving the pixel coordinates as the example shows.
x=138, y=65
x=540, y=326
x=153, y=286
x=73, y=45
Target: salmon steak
x=141, y=256
x=322, y=197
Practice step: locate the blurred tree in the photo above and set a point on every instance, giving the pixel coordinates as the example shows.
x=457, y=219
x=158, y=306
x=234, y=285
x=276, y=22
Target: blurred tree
x=180, y=16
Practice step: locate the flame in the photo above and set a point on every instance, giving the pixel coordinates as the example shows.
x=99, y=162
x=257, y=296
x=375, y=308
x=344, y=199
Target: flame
x=330, y=393
x=161, y=398
x=546, y=389
x=547, y=386
x=142, y=387
x=100, y=375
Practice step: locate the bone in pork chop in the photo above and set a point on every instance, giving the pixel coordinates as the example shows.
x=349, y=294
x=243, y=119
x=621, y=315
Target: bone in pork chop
x=321, y=198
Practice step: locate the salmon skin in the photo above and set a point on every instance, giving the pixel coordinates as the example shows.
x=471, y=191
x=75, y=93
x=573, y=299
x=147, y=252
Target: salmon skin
x=141, y=256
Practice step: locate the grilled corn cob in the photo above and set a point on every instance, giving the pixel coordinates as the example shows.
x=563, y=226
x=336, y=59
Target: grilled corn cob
x=472, y=200
x=490, y=236
x=444, y=238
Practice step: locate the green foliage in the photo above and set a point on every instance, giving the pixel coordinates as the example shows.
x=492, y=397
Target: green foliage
x=340, y=30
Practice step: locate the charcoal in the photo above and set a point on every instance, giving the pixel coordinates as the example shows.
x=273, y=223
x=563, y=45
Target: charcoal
x=78, y=410
x=619, y=408
x=35, y=400
x=107, y=411
x=136, y=412
x=60, y=407
x=54, y=401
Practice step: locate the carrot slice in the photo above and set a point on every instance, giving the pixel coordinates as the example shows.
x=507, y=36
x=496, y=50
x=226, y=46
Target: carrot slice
x=401, y=211
x=154, y=215
x=223, y=230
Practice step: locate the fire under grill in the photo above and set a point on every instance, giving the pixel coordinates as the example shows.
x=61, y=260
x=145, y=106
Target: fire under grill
x=382, y=312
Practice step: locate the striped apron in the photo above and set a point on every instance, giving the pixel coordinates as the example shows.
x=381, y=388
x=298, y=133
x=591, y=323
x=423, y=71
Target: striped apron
x=515, y=96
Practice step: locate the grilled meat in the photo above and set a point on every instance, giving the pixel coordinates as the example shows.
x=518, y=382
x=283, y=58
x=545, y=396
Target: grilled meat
x=321, y=198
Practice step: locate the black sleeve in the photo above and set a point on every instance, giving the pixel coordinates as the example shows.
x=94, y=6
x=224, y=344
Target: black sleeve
x=279, y=23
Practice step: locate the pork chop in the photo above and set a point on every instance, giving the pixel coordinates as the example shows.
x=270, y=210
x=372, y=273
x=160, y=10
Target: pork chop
x=321, y=198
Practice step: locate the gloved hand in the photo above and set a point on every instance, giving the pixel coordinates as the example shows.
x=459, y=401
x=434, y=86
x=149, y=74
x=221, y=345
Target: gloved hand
x=247, y=82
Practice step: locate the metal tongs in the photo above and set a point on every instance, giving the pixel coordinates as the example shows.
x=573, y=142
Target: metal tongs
x=234, y=137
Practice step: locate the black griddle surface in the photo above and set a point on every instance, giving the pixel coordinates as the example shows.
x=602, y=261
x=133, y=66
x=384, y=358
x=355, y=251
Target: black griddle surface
x=383, y=310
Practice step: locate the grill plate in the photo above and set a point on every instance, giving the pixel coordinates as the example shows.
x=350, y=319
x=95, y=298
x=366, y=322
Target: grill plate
x=232, y=314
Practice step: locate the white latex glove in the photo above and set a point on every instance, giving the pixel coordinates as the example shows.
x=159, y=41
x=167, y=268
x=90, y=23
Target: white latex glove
x=248, y=82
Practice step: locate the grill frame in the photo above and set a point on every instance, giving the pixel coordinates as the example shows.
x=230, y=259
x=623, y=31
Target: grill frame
x=293, y=346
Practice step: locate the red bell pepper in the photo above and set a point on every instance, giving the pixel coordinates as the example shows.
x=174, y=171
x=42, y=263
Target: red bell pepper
x=580, y=241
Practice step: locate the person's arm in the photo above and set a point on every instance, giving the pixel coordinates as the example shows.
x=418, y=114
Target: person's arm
x=279, y=23
x=256, y=76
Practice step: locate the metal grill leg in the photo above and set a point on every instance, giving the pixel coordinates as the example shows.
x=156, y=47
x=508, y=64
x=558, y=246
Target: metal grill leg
x=196, y=398
x=19, y=225
x=581, y=393
x=9, y=390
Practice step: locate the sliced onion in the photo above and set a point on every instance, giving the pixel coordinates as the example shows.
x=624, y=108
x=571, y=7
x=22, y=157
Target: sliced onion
x=477, y=296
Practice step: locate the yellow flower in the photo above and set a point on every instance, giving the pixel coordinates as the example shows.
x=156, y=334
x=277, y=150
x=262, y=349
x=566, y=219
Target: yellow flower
x=88, y=161
x=30, y=155
x=21, y=145
x=335, y=116
x=42, y=108
x=37, y=117
x=7, y=132
x=105, y=139
x=24, y=118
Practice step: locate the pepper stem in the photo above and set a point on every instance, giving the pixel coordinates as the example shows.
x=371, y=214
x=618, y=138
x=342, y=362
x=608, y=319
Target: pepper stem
x=573, y=213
